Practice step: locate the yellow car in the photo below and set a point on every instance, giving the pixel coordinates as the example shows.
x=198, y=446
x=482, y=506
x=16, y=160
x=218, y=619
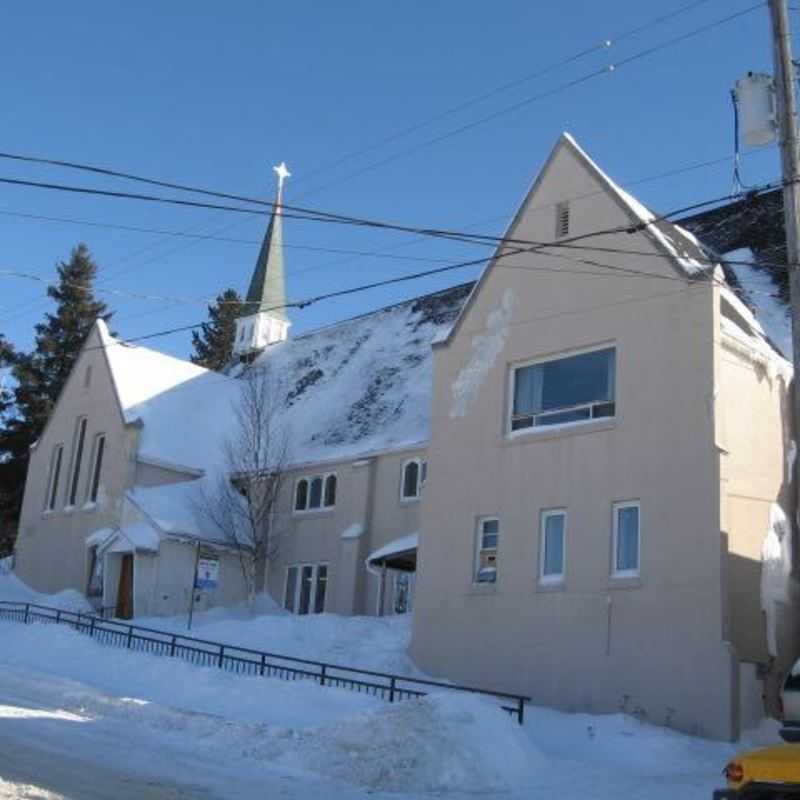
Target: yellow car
x=771, y=773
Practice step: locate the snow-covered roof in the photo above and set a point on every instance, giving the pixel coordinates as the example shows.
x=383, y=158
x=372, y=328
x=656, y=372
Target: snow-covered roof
x=760, y=293
x=393, y=552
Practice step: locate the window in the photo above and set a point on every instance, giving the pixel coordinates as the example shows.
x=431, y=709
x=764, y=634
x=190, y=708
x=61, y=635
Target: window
x=562, y=220
x=413, y=479
x=626, y=539
x=77, y=457
x=486, y=561
x=301, y=495
x=315, y=495
x=97, y=467
x=330, y=491
x=564, y=390
x=55, y=474
x=315, y=492
x=306, y=588
x=95, y=585
x=551, y=549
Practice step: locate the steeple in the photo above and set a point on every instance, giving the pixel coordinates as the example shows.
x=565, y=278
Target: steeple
x=263, y=320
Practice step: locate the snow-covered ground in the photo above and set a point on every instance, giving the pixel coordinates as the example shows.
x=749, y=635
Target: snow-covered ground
x=81, y=720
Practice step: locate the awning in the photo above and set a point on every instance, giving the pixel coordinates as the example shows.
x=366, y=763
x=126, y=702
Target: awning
x=399, y=554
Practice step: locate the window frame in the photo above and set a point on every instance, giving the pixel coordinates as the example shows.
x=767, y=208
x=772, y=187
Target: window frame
x=93, y=484
x=420, y=481
x=511, y=433
x=54, y=477
x=78, y=446
x=480, y=550
x=615, y=508
x=309, y=478
x=298, y=587
x=555, y=578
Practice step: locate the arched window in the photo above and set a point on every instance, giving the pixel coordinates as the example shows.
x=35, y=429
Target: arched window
x=330, y=491
x=301, y=495
x=315, y=495
x=411, y=485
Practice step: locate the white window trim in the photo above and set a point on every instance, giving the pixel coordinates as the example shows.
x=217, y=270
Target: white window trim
x=555, y=578
x=312, y=600
x=90, y=503
x=51, y=498
x=539, y=429
x=74, y=478
x=420, y=483
x=625, y=573
x=322, y=507
x=480, y=549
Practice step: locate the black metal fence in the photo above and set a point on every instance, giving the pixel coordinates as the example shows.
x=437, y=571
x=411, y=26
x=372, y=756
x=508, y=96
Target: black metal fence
x=243, y=660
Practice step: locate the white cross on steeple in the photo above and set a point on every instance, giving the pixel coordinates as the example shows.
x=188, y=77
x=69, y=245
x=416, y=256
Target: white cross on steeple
x=283, y=173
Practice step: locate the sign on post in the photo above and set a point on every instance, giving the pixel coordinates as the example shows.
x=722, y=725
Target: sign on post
x=207, y=574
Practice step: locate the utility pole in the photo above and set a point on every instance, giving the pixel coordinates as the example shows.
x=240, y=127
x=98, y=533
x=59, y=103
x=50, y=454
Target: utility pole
x=790, y=162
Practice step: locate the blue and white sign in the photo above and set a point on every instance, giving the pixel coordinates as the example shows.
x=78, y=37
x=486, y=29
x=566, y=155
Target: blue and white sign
x=207, y=574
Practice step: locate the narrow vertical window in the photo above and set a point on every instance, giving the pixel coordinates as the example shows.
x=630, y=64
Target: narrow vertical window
x=77, y=457
x=291, y=589
x=627, y=536
x=410, y=487
x=551, y=555
x=488, y=540
x=97, y=467
x=315, y=495
x=55, y=474
x=321, y=588
x=87, y=377
x=301, y=495
x=330, y=491
x=562, y=220
x=306, y=584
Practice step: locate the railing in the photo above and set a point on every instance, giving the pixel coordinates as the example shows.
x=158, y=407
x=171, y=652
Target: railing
x=243, y=660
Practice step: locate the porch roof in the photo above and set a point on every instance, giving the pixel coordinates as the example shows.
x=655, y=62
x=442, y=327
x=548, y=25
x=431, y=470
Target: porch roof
x=399, y=554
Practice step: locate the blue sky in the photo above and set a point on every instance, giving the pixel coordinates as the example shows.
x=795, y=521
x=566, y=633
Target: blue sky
x=214, y=94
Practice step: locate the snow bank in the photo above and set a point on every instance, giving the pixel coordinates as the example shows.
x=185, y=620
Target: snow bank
x=12, y=588
x=374, y=643
x=439, y=743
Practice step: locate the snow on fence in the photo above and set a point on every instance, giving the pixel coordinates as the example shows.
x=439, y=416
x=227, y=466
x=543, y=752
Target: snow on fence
x=243, y=660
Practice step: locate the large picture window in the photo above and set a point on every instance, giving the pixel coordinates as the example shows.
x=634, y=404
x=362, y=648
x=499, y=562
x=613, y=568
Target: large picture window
x=564, y=390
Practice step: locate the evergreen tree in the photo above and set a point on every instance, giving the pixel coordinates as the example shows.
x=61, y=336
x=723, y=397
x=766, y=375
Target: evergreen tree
x=213, y=345
x=41, y=374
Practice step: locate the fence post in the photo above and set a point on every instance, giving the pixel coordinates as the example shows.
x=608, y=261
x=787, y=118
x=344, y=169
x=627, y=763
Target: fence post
x=221, y=654
x=91, y=627
x=78, y=623
x=392, y=686
x=130, y=636
x=27, y=609
x=322, y=676
x=520, y=709
x=58, y=616
x=172, y=646
x=263, y=663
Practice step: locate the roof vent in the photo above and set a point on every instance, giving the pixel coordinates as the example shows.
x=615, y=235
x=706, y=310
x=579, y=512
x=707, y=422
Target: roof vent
x=562, y=220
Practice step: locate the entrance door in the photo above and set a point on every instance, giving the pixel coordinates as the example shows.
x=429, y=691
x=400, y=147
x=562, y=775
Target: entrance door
x=125, y=588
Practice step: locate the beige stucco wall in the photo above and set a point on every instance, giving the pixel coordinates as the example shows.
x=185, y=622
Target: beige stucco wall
x=50, y=553
x=368, y=494
x=753, y=437
x=596, y=643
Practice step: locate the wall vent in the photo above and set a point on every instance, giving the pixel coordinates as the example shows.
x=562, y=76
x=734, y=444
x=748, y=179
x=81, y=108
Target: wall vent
x=562, y=220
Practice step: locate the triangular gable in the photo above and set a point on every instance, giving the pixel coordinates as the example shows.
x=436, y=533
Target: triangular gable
x=687, y=256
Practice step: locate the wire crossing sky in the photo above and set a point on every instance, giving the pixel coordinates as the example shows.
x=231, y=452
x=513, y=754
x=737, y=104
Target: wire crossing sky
x=417, y=113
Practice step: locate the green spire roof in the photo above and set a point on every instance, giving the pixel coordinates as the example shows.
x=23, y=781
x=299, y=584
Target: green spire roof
x=267, y=290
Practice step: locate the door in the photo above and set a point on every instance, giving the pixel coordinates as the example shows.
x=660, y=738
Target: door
x=125, y=588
